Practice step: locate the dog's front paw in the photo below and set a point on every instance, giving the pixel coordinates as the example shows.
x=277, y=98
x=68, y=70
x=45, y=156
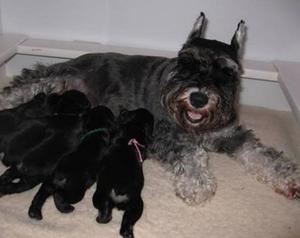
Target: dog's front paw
x=290, y=188
x=127, y=233
x=66, y=208
x=104, y=217
x=35, y=213
x=194, y=190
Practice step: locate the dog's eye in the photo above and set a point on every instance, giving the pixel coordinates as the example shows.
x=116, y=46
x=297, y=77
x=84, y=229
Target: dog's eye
x=185, y=60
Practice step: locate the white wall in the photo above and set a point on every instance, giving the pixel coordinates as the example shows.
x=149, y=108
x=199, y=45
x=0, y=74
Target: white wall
x=0, y=17
x=56, y=19
x=273, y=25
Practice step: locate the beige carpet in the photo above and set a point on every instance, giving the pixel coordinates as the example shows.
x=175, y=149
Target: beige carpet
x=241, y=208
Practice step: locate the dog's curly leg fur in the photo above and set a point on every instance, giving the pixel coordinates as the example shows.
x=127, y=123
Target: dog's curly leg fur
x=270, y=167
x=186, y=160
x=194, y=182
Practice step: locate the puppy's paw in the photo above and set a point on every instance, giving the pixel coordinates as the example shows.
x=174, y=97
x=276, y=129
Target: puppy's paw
x=35, y=213
x=127, y=233
x=66, y=208
x=103, y=218
x=194, y=190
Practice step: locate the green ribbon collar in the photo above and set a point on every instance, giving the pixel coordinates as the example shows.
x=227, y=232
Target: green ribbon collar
x=91, y=132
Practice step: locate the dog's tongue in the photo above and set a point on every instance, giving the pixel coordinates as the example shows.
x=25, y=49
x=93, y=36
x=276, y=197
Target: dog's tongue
x=194, y=115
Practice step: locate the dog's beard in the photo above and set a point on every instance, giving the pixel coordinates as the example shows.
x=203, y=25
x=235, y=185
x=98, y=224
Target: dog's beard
x=196, y=120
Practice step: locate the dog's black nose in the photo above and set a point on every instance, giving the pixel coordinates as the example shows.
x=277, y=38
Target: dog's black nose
x=198, y=99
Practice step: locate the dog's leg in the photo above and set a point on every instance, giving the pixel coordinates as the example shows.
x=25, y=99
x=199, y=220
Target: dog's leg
x=104, y=211
x=265, y=163
x=194, y=182
x=35, y=209
x=270, y=167
x=23, y=185
x=61, y=204
x=103, y=203
x=180, y=154
x=132, y=213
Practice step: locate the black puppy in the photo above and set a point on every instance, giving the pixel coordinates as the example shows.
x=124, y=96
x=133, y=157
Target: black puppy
x=27, y=129
x=50, y=137
x=120, y=177
x=76, y=171
x=11, y=119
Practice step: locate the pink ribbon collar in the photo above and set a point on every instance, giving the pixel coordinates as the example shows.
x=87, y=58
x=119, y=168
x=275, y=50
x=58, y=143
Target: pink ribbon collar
x=136, y=144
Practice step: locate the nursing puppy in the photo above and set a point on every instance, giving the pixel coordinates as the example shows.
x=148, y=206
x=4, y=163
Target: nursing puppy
x=76, y=171
x=11, y=119
x=120, y=177
x=50, y=138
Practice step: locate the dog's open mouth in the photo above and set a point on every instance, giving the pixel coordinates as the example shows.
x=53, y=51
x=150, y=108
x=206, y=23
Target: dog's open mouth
x=193, y=116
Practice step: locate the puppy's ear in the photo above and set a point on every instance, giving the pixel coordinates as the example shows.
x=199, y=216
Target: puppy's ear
x=40, y=97
x=52, y=101
x=238, y=39
x=198, y=28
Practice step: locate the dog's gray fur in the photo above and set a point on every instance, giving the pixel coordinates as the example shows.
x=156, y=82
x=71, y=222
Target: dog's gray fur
x=186, y=128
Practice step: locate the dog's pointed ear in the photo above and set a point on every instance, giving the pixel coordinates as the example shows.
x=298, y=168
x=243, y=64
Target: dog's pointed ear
x=198, y=28
x=238, y=39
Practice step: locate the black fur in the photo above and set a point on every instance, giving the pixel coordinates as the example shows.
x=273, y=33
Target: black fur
x=11, y=119
x=120, y=178
x=76, y=171
x=34, y=149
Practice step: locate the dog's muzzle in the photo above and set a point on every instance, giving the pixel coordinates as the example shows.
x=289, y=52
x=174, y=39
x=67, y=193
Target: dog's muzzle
x=198, y=106
x=195, y=109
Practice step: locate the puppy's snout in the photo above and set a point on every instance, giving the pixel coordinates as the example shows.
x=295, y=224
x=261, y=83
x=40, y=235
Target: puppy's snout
x=198, y=99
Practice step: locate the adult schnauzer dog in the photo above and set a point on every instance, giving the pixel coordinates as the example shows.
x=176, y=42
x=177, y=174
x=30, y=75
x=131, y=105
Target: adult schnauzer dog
x=120, y=177
x=193, y=96
x=76, y=171
x=33, y=151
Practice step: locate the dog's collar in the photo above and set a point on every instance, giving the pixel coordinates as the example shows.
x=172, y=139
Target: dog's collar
x=136, y=144
x=91, y=132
